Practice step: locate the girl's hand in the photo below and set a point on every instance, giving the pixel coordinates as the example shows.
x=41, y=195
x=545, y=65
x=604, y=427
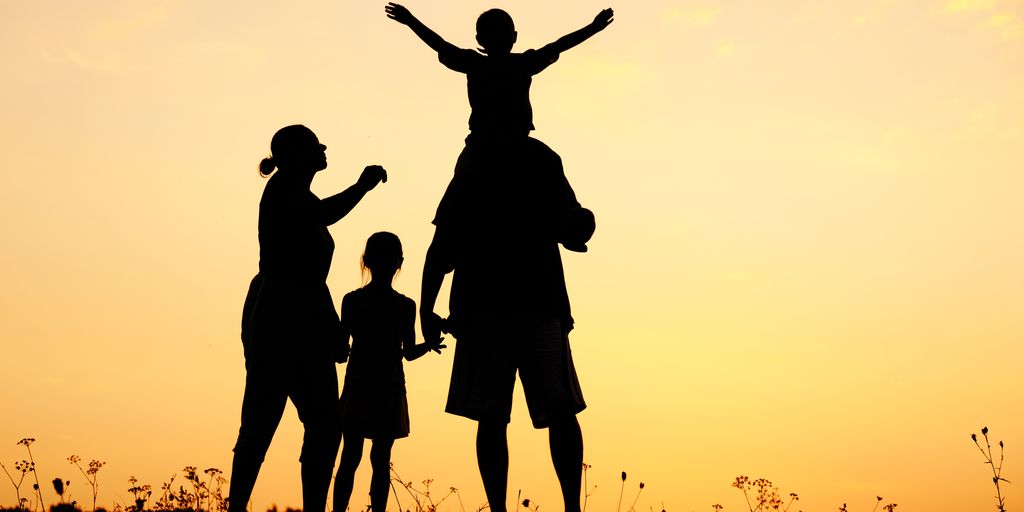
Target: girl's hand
x=399, y=13
x=371, y=176
x=437, y=346
x=603, y=19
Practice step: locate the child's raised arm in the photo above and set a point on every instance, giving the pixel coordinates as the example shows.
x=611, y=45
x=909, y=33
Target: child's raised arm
x=602, y=20
x=402, y=15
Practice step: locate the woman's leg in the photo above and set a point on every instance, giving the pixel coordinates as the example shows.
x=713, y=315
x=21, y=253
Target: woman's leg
x=380, y=461
x=315, y=396
x=262, y=407
x=351, y=452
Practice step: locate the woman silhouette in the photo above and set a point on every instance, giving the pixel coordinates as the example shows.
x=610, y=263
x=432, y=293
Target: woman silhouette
x=289, y=325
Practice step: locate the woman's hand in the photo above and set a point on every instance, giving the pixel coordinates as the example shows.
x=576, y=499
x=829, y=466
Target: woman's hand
x=399, y=13
x=371, y=176
x=603, y=19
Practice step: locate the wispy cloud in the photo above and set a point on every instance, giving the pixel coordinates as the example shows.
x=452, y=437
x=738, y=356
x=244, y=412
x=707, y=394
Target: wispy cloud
x=1003, y=18
x=1009, y=25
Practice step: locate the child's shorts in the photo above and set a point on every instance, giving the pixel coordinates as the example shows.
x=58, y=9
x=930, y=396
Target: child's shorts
x=487, y=356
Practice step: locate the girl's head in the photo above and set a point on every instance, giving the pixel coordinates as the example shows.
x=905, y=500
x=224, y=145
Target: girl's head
x=383, y=256
x=495, y=32
x=295, y=148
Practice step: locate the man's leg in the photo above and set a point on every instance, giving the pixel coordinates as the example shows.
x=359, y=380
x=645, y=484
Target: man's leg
x=554, y=397
x=567, y=454
x=492, y=457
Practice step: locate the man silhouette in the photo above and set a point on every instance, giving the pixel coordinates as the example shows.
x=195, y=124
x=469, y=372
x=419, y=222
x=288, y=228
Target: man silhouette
x=499, y=229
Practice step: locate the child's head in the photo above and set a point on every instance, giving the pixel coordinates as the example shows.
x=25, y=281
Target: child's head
x=495, y=32
x=382, y=256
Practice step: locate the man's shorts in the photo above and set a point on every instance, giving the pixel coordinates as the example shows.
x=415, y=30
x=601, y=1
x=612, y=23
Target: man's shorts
x=488, y=353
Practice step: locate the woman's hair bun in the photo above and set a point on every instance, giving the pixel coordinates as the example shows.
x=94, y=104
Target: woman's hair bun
x=267, y=166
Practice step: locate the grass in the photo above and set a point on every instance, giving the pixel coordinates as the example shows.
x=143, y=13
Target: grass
x=204, y=491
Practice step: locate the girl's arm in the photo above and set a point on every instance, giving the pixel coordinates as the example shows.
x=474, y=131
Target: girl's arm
x=410, y=350
x=334, y=208
x=602, y=20
x=402, y=15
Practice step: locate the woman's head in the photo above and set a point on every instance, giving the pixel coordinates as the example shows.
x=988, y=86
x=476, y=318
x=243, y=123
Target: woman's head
x=296, y=148
x=383, y=255
x=495, y=32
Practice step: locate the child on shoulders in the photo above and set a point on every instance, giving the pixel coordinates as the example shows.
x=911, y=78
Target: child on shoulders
x=498, y=81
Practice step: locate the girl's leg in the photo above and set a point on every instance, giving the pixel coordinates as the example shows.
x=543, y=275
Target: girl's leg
x=380, y=460
x=351, y=452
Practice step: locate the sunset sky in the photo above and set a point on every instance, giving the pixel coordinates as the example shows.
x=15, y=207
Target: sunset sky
x=808, y=266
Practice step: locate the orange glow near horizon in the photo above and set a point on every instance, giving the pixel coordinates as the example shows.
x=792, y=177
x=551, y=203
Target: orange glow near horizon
x=807, y=265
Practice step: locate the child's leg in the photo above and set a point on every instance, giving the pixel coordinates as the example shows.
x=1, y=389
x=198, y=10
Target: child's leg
x=380, y=460
x=351, y=452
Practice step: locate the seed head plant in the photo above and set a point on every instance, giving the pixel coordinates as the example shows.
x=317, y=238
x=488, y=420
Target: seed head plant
x=997, y=469
x=91, y=475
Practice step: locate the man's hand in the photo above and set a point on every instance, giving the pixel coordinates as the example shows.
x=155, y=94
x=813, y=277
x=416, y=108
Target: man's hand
x=399, y=13
x=603, y=19
x=371, y=176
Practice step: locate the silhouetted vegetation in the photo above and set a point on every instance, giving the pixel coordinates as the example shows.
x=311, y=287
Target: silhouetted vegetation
x=202, y=491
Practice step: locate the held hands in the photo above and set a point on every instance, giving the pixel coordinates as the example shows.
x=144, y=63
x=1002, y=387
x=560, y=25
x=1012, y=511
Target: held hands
x=437, y=346
x=432, y=325
x=603, y=19
x=399, y=13
x=371, y=176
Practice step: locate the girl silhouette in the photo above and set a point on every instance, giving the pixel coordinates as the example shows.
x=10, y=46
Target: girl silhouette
x=373, y=405
x=288, y=321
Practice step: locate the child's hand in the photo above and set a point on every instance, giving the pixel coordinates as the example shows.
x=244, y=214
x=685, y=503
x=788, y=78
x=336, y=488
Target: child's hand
x=372, y=175
x=399, y=13
x=437, y=346
x=603, y=19
x=341, y=355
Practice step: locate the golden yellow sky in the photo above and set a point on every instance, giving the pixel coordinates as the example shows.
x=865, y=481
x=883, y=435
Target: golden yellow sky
x=807, y=265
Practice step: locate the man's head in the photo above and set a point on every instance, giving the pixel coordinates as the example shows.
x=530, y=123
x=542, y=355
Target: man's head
x=495, y=32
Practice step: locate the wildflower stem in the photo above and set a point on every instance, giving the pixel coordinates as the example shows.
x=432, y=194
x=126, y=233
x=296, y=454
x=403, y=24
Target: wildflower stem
x=622, y=488
x=38, y=488
x=631, y=507
x=17, y=486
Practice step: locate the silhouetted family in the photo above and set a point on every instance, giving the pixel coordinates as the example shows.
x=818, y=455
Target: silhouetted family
x=497, y=229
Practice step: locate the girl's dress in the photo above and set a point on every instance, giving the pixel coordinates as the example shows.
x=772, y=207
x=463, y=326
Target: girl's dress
x=373, y=401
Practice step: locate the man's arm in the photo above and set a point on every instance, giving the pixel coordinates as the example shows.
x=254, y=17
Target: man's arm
x=602, y=20
x=334, y=208
x=402, y=15
x=437, y=263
